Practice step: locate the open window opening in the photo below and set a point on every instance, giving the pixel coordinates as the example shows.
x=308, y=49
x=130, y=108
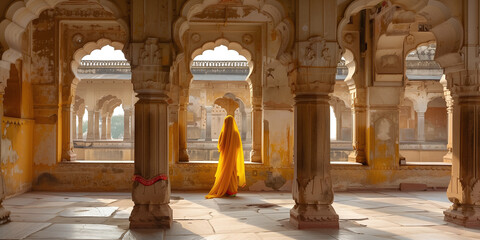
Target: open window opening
x=340, y=117
x=423, y=113
x=102, y=116
x=219, y=88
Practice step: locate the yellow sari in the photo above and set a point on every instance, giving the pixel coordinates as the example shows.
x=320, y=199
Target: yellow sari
x=231, y=168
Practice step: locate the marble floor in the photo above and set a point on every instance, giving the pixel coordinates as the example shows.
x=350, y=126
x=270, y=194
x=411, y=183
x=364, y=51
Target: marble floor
x=250, y=215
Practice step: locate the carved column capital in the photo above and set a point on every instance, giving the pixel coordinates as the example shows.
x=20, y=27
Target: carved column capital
x=151, y=63
x=462, y=82
x=314, y=80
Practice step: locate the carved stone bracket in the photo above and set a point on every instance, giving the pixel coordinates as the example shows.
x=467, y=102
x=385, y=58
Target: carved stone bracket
x=317, y=52
x=151, y=66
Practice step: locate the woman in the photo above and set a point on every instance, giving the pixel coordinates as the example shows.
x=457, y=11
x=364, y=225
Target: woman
x=231, y=169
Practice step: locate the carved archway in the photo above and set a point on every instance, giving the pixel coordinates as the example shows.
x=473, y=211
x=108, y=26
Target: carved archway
x=185, y=81
x=273, y=11
x=20, y=13
x=189, y=36
x=231, y=46
x=438, y=19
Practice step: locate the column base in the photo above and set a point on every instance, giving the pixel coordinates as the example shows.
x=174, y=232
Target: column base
x=151, y=216
x=183, y=156
x=313, y=216
x=255, y=156
x=448, y=157
x=4, y=215
x=467, y=216
x=357, y=157
x=69, y=155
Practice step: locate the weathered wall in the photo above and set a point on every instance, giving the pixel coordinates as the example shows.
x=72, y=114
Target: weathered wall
x=200, y=176
x=16, y=161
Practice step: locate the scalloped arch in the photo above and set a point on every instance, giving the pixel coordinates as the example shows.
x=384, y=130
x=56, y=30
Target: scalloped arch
x=231, y=46
x=222, y=41
x=273, y=9
x=89, y=48
x=111, y=105
x=100, y=104
x=447, y=30
x=351, y=65
x=20, y=13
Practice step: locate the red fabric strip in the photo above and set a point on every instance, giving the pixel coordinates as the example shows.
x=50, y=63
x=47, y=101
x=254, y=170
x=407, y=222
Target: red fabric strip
x=148, y=182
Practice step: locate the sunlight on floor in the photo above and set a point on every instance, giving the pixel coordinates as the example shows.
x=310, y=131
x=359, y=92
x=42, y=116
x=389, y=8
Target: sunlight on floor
x=251, y=215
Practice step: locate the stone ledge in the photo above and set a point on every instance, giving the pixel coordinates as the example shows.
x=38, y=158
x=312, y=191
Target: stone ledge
x=96, y=162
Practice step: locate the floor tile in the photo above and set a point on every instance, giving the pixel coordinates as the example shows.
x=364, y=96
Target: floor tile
x=80, y=231
x=190, y=227
x=88, y=212
x=25, y=217
x=20, y=230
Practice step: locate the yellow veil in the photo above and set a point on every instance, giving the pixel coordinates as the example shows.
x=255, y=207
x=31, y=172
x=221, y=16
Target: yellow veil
x=230, y=161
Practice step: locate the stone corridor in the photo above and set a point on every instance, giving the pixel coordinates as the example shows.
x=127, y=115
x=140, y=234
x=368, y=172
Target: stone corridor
x=251, y=215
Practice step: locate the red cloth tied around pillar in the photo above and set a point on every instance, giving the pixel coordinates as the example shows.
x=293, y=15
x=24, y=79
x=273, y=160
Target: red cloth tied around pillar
x=231, y=168
x=148, y=182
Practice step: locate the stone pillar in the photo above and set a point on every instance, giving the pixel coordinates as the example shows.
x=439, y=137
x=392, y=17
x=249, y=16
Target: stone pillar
x=421, y=126
x=257, y=129
x=208, y=130
x=448, y=156
x=4, y=213
x=464, y=188
x=104, y=127
x=132, y=124
x=74, y=125
x=126, y=124
x=249, y=125
x=96, y=127
x=338, y=118
x=109, y=126
x=312, y=188
x=244, y=125
x=182, y=130
x=150, y=81
x=359, y=126
x=449, y=102
x=91, y=125
x=151, y=160
x=80, y=127
x=67, y=141
x=420, y=107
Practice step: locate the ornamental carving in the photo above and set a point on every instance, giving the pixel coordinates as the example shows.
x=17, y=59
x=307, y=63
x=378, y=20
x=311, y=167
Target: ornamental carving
x=150, y=54
x=247, y=38
x=348, y=38
x=315, y=52
x=78, y=38
x=196, y=37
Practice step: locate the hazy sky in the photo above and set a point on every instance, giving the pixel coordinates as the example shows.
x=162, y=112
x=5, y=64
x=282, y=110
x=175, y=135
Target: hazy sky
x=220, y=53
x=106, y=53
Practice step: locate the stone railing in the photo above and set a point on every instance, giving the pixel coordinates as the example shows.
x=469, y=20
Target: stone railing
x=104, y=67
x=342, y=69
x=220, y=67
x=422, y=64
